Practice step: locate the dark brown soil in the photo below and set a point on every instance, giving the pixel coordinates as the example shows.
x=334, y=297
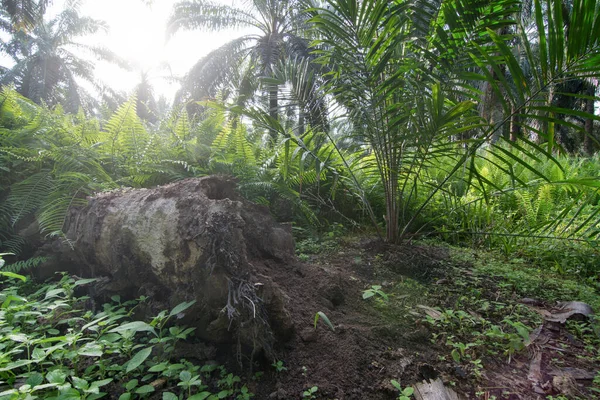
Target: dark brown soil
x=365, y=352
x=370, y=347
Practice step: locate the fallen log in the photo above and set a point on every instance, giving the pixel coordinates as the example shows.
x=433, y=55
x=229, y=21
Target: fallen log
x=195, y=239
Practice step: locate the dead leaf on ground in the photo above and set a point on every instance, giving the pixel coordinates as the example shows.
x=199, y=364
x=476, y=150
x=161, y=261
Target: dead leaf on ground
x=568, y=310
x=432, y=312
x=535, y=372
x=574, y=373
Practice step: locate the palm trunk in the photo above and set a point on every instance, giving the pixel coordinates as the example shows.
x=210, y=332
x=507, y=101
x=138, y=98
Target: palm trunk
x=301, y=121
x=392, y=209
x=515, y=129
x=551, y=128
x=588, y=143
x=273, y=108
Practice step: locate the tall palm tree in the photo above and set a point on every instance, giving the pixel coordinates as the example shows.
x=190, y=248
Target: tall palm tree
x=24, y=14
x=48, y=62
x=146, y=106
x=279, y=25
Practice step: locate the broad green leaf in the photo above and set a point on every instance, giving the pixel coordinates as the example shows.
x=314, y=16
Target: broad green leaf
x=19, y=337
x=51, y=339
x=185, y=376
x=16, y=364
x=80, y=383
x=84, y=281
x=169, y=396
x=136, y=326
x=158, y=367
x=181, y=307
x=367, y=294
x=56, y=376
x=38, y=354
x=35, y=379
x=54, y=293
x=145, y=389
x=13, y=275
x=10, y=298
x=131, y=384
x=69, y=394
x=200, y=396
x=138, y=359
x=125, y=396
x=590, y=182
x=44, y=386
x=91, y=350
x=96, y=396
x=101, y=383
x=94, y=322
x=455, y=355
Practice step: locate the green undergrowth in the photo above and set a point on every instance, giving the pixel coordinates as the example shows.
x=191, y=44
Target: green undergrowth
x=522, y=276
x=395, y=301
x=472, y=306
x=53, y=347
x=476, y=312
x=310, y=243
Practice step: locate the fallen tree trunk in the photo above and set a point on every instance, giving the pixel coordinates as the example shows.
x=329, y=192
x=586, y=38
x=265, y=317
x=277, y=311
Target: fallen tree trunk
x=196, y=239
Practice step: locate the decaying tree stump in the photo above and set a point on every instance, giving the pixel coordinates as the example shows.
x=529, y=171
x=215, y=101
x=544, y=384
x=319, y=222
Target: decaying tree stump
x=196, y=239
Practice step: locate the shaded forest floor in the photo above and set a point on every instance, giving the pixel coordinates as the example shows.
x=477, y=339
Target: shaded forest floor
x=488, y=327
x=485, y=325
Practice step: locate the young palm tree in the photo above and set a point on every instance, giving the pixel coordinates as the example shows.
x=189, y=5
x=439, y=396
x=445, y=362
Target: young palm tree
x=279, y=25
x=48, y=63
x=397, y=72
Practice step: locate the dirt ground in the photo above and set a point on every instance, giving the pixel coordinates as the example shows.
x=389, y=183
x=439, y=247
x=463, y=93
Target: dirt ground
x=375, y=342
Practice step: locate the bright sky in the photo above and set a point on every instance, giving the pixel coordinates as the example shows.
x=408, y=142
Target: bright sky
x=137, y=33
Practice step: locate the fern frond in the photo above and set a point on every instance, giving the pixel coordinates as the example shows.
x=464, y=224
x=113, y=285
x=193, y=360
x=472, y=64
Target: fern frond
x=26, y=196
x=20, y=266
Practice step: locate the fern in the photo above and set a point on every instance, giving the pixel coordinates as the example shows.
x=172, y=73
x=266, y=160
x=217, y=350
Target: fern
x=20, y=266
x=28, y=195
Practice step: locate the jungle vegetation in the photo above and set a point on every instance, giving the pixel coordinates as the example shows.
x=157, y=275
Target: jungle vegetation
x=464, y=119
x=467, y=121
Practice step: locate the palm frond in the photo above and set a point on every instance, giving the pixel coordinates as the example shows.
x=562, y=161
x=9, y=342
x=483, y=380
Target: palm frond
x=200, y=14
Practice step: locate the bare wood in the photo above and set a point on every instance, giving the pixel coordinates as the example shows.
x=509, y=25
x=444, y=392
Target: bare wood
x=434, y=390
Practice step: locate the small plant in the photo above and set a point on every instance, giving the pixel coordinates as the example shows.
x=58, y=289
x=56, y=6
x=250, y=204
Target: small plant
x=375, y=290
x=303, y=257
x=187, y=381
x=321, y=314
x=278, y=365
x=258, y=376
x=310, y=393
x=405, y=393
